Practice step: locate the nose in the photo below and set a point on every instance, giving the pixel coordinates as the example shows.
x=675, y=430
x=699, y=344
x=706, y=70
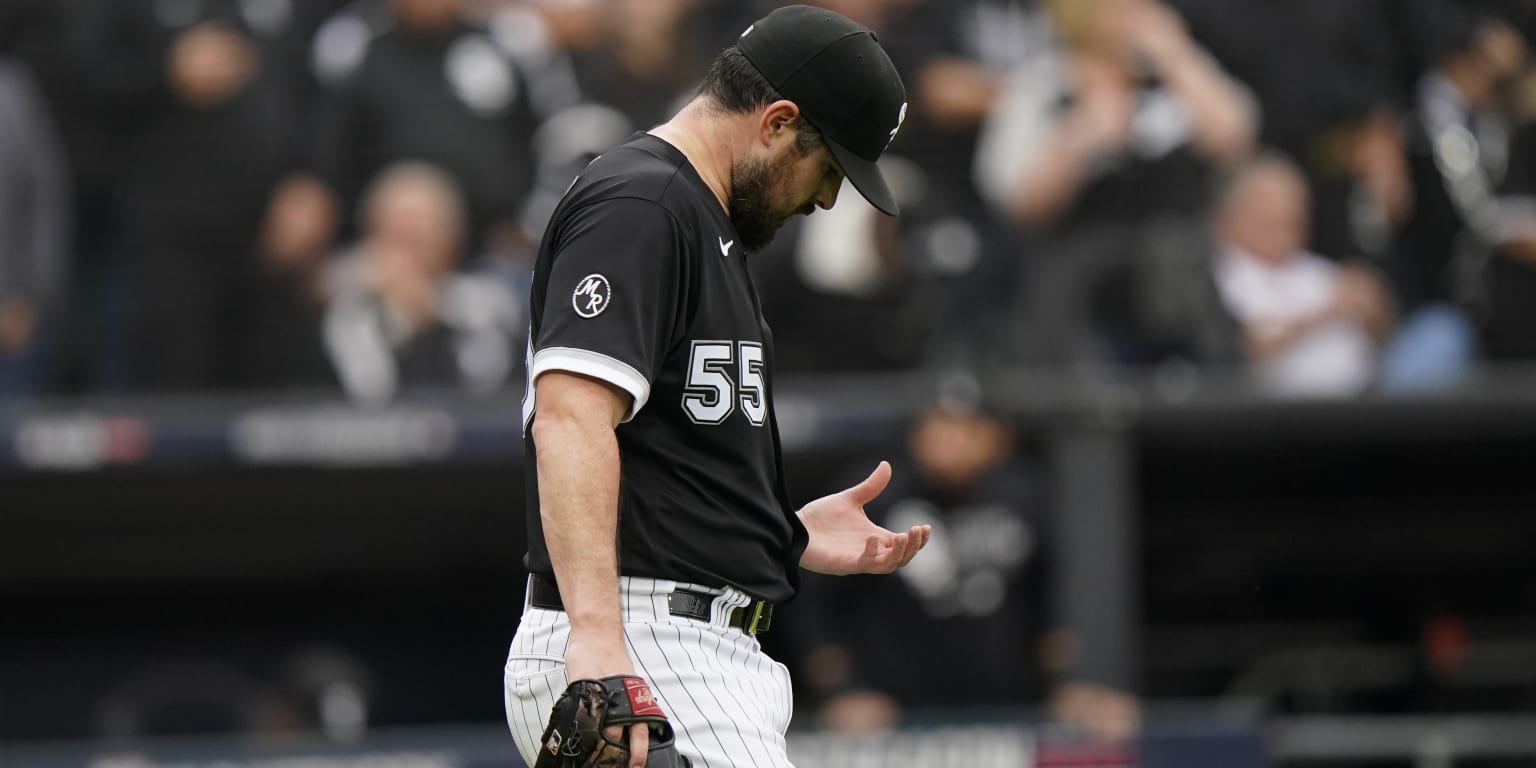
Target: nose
x=826, y=195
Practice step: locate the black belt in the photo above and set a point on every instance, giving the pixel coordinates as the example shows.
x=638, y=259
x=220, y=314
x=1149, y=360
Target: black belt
x=751, y=619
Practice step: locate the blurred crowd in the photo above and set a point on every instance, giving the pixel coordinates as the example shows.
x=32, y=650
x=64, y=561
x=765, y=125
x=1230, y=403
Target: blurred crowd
x=344, y=194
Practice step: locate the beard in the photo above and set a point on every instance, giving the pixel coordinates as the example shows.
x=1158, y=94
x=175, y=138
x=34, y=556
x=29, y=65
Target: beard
x=752, y=213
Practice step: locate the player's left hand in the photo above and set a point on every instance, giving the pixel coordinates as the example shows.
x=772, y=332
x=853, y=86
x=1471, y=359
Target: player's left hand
x=844, y=541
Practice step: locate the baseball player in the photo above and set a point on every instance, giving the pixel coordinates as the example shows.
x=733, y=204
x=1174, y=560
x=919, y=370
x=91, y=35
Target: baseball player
x=660, y=532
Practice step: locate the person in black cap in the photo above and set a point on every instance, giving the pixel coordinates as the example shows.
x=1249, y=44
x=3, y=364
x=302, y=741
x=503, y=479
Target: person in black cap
x=660, y=530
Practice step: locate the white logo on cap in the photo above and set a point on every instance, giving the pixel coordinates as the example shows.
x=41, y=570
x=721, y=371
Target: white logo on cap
x=749, y=30
x=591, y=295
x=900, y=118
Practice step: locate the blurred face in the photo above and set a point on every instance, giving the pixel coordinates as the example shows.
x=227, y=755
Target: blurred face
x=429, y=14
x=1104, y=26
x=1268, y=214
x=1111, y=25
x=649, y=14
x=210, y=64
x=413, y=224
x=768, y=189
x=1499, y=52
x=953, y=449
x=866, y=12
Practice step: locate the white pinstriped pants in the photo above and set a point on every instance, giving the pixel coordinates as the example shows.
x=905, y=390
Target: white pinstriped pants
x=728, y=702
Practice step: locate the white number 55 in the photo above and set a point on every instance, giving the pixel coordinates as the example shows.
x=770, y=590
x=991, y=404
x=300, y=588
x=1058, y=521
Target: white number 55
x=711, y=394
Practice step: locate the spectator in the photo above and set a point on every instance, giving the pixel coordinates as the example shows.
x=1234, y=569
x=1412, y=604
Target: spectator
x=571, y=128
x=401, y=317
x=319, y=691
x=979, y=603
x=563, y=145
x=645, y=57
x=82, y=53
x=1309, y=327
x=290, y=290
x=1459, y=156
x=385, y=64
x=60, y=43
x=1104, y=150
x=1509, y=277
x=212, y=112
x=601, y=71
x=1332, y=81
x=836, y=290
x=956, y=56
x=33, y=223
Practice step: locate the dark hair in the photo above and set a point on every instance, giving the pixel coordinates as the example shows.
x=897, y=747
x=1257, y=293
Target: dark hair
x=734, y=85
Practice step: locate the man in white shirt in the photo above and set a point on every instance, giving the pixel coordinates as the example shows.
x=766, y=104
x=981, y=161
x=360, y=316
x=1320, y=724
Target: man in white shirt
x=1310, y=326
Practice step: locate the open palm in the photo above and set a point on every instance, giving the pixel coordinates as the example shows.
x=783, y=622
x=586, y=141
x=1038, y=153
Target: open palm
x=844, y=541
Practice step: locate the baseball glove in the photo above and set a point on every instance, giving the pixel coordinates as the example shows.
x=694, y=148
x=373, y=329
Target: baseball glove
x=575, y=738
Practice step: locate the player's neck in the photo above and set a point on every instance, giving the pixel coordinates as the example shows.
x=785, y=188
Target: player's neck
x=708, y=139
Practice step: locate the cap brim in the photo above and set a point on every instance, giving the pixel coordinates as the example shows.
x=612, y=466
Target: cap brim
x=866, y=178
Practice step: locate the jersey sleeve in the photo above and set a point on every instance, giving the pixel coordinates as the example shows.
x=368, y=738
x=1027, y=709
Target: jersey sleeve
x=613, y=296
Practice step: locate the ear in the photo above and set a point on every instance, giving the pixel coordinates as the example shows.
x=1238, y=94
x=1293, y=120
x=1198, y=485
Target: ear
x=777, y=121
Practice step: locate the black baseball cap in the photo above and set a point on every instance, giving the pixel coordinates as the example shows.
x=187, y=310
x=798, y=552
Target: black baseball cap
x=844, y=83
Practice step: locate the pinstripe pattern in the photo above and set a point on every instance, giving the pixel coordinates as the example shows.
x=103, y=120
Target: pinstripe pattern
x=728, y=701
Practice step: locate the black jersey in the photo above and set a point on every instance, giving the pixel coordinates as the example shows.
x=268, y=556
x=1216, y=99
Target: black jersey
x=640, y=282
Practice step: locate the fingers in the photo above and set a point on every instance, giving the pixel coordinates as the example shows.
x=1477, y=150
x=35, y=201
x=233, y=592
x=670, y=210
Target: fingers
x=886, y=553
x=866, y=491
x=883, y=552
x=898, y=548
x=917, y=538
x=639, y=745
x=872, y=549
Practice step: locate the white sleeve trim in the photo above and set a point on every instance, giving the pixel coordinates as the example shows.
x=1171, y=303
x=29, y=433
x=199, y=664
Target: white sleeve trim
x=598, y=366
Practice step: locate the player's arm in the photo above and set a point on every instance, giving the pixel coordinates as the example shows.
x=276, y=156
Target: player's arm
x=578, y=470
x=843, y=540
x=610, y=298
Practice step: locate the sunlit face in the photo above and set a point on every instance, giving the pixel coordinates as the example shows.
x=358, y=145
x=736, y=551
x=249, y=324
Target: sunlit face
x=767, y=192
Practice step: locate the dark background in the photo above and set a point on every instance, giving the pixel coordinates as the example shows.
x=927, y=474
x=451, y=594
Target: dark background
x=1254, y=540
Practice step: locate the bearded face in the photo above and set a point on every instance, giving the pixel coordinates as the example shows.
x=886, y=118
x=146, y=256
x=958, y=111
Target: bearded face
x=765, y=193
x=753, y=211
